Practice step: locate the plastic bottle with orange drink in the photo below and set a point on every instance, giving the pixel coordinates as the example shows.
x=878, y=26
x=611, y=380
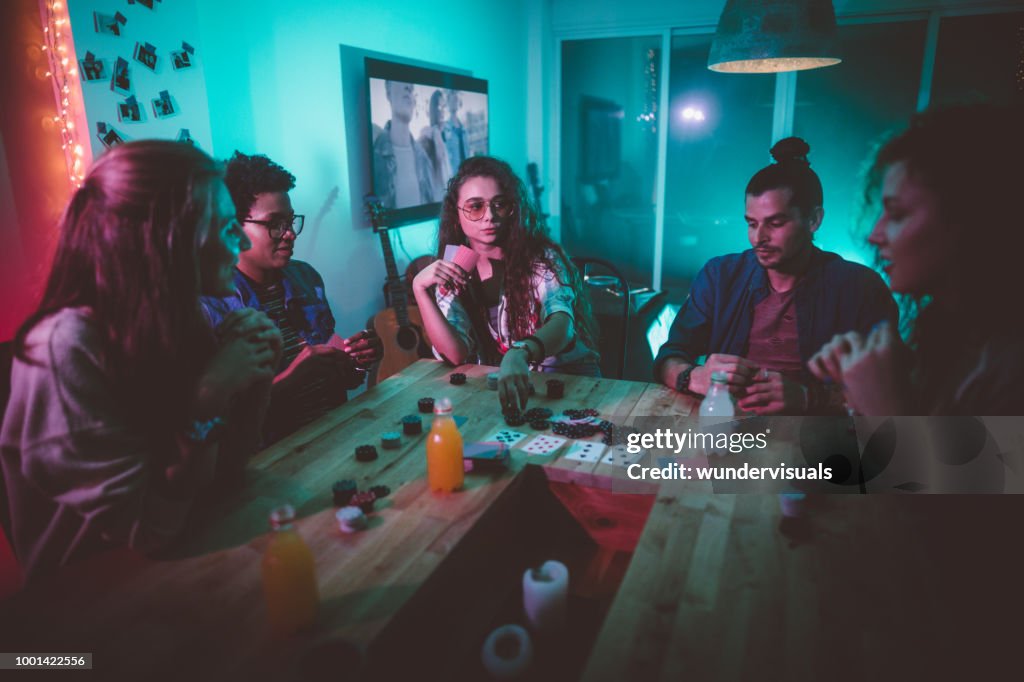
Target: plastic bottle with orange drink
x=444, y=450
x=289, y=576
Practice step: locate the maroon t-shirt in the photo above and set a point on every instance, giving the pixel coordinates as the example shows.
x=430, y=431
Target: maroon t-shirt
x=774, y=338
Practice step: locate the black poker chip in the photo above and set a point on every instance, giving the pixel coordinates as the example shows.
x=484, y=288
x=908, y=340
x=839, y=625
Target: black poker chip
x=571, y=430
x=342, y=491
x=540, y=424
x=581, y=414
x=538, y=413
x=457, y=378
x=556, y=388
x=514, y=418
x=366, y=453
x=426, y=405
x=380, y=491
x=412, y=424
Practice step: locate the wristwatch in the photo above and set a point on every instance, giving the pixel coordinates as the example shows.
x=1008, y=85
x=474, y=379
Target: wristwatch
x=683, y=381
x=522, y=345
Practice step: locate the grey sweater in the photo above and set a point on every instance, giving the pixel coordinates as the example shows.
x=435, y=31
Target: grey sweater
x=78, y=475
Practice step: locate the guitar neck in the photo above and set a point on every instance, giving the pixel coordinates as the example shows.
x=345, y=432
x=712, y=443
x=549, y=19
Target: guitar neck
x=395, y=285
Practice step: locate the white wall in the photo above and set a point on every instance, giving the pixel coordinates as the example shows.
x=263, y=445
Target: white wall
x=165, y=27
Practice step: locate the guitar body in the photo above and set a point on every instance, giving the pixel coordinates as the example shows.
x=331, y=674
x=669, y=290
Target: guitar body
x=401, y=342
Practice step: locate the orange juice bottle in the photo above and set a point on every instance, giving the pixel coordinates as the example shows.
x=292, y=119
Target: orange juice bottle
x=444, y=450
x=289, y=576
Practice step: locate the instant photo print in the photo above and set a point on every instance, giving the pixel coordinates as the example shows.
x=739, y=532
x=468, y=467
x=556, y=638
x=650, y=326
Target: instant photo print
x=181, y=60
x=121, y=82
x=108, y=136
x=107, y=24
x=92, y=69
x=163, y=106
x=129, y=111
x=145, y=54
x=185, y=136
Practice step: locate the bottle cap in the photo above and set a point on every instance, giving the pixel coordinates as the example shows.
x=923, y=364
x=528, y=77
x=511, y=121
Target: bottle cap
x=282, y=517
x=719, y=377
x=443, y=406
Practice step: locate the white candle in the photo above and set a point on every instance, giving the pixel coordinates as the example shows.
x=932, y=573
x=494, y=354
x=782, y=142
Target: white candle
x=507, y=652
x=544, y=596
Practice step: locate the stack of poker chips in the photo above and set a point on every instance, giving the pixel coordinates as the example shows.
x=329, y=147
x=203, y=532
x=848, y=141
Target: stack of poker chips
x=492, y=381
x=412, y=425
x=514, y=417
x=391, y=440
x=457, y=378
x=364, y=500
x=582, y=424
x=343, y=491
x=556, y=388
x=366, y=453
x=426, y=405
x=538, y=418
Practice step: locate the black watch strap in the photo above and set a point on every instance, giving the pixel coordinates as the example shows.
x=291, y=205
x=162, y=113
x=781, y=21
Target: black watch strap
x=683, y=380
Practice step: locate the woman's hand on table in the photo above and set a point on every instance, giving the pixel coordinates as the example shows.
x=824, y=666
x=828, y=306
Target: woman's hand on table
x=514, y=380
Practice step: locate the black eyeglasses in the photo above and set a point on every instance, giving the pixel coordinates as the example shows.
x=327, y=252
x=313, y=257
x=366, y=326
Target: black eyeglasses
x=474, y=209
x=278, y=226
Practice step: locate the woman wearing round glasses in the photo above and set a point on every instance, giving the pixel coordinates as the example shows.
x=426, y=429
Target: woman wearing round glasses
x=522, y=304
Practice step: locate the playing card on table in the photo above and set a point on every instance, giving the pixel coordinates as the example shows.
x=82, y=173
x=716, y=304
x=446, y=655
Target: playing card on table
x=544, y=445
x=507, y=437
x=621, y=457
x=585, y=451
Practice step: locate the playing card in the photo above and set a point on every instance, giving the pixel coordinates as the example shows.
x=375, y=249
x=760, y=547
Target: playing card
x=463, y=256
x=620, y=456
x=585, y=451
x=544, y=445
x=507, y=437
x=484, y=450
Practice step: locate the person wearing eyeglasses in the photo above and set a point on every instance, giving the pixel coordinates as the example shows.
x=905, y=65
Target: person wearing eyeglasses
x=317, y=367
x=522, y=306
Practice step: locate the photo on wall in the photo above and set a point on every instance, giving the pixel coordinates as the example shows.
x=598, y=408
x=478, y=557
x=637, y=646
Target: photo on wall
x=181, y=60
x=121, y=81
x=108, y=136
x=129, y=111
x=423, y=124
x=145, y=54
x=91, y=68
x=106, y=24
x=163, y=106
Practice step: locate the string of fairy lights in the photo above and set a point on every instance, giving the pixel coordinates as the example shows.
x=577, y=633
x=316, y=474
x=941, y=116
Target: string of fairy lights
x=63, y=72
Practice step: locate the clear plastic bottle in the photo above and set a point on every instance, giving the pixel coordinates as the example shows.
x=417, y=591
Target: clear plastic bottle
x=718, y=401
x=444, y=450
x=289, y=576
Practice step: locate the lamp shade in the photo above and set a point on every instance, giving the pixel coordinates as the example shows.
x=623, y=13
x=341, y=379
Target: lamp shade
x=768, y=36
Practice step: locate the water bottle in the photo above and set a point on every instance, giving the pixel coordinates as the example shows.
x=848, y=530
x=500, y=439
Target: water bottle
x=717, y=407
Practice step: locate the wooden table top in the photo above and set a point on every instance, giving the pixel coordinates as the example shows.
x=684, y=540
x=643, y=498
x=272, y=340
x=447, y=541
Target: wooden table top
x=713, y=590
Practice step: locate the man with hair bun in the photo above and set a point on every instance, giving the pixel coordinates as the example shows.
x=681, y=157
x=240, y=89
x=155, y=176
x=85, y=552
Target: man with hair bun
x=759, y=316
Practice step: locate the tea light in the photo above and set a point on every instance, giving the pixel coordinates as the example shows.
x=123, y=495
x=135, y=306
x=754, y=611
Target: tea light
x=507, y=652
x=544, y=596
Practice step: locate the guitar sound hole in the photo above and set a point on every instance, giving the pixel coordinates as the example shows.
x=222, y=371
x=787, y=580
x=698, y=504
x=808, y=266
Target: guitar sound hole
x=408, y=339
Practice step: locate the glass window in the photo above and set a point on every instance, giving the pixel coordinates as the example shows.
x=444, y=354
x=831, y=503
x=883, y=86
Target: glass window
x=843, y=110
x=978, y=58
x=609, y=152
x=719, y=133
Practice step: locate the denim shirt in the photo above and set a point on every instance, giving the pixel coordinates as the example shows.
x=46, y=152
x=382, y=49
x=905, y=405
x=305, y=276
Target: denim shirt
x=304, y=299
x=833, y=297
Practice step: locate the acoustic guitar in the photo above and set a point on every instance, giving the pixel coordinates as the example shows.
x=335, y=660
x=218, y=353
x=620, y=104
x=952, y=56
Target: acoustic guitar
x=399, y=326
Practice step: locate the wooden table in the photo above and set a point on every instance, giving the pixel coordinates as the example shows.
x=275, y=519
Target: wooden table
x=713, y=590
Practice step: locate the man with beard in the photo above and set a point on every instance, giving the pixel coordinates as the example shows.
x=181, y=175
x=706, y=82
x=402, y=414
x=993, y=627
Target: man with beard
x=758, y=316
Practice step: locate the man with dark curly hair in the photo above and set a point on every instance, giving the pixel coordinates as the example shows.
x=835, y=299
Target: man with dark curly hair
x=317, y=367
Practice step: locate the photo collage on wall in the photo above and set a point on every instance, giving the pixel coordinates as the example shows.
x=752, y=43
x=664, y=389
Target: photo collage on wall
x=121, y=74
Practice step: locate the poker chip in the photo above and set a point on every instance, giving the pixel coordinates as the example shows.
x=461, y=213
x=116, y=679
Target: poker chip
x=514, y=418
x=412, y=425
x=343, y=491
x=538, y=413
x=380, y=491
x=581, y=414
x=457, y=378
x=556, y=388
x=540, y=424
x=573, y=429
x=426, y=405
x=350, y=519
x=364, y=501
x=366, y=453
x=492, y=381
x=391, y=440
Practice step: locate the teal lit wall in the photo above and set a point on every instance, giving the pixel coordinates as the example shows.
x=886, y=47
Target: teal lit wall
x=273, y=79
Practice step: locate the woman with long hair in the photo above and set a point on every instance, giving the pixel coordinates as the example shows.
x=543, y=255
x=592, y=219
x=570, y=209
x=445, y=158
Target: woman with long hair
x=949, y=237
x=122, y=398
x=523, y=304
